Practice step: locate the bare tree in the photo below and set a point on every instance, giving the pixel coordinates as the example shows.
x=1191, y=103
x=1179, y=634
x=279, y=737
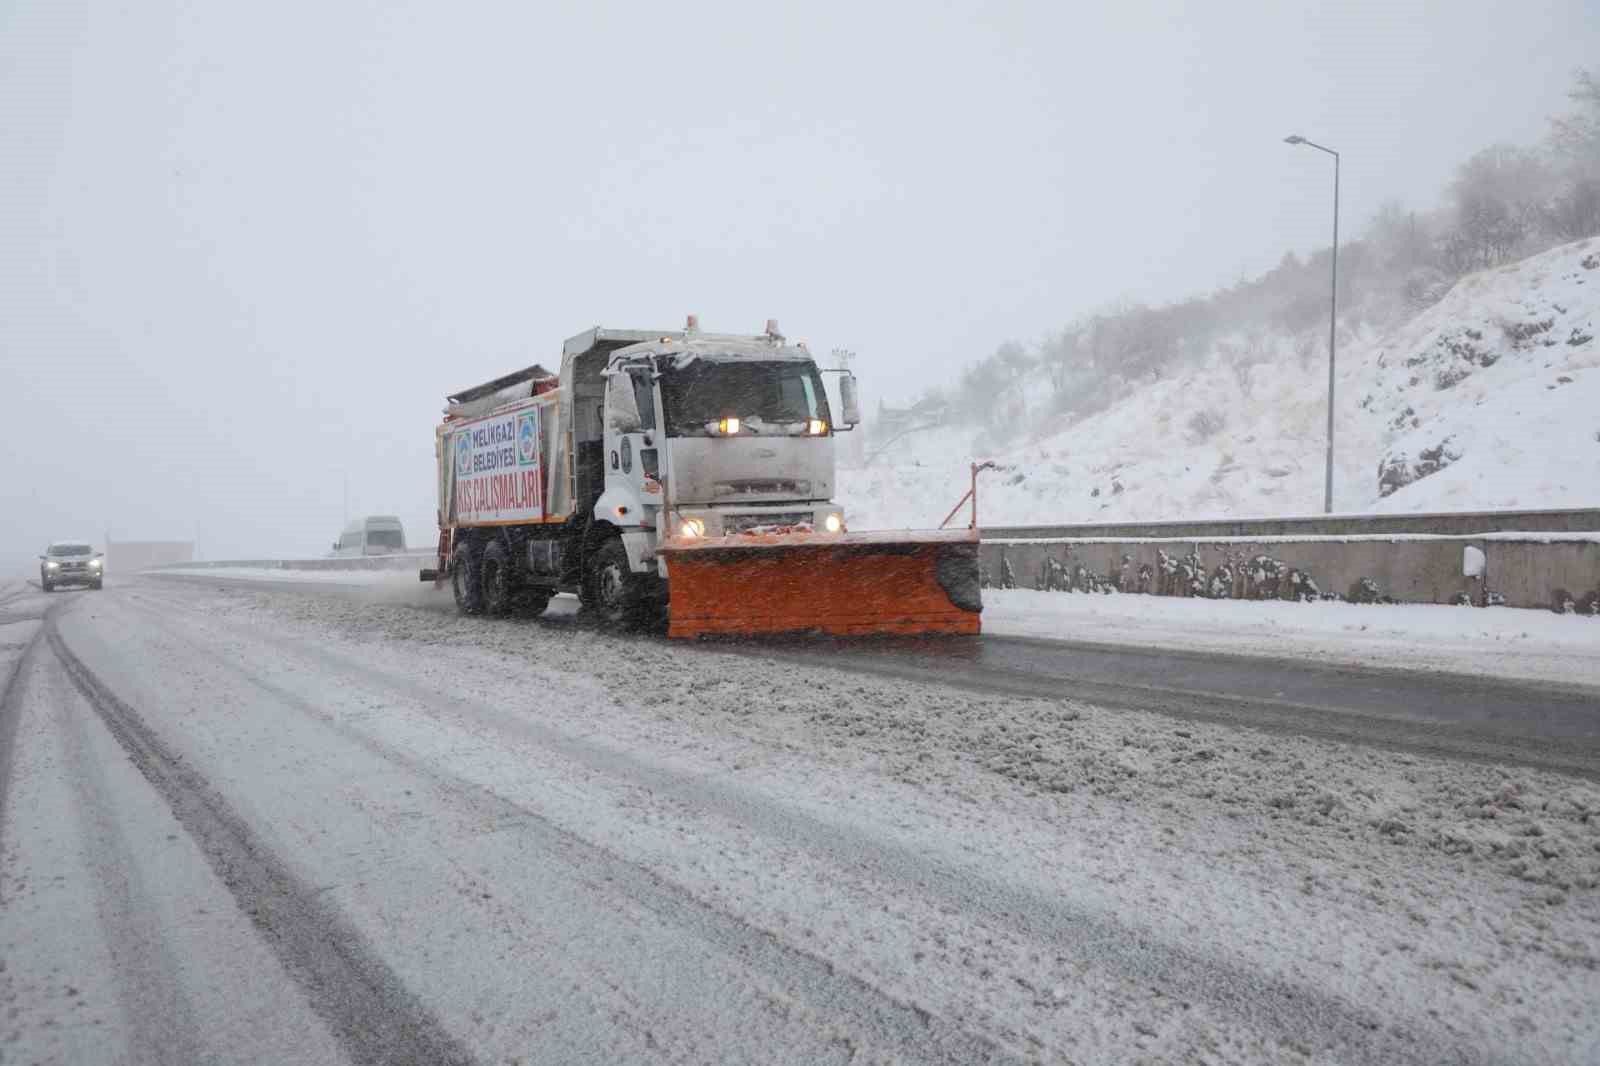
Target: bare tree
x=1061, y=358
x=1574, y=141
x=1500, y=196
x=1399, y=238
x=1576, y=136
x=1575, y=212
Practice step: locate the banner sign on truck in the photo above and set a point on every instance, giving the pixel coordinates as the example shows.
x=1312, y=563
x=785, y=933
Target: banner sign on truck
x=497, y=468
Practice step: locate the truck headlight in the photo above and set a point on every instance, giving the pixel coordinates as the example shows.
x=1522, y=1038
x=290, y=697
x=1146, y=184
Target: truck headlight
x=816, y=427
x=94, y=564
x=52, y=566
x=834, y=523
x=691, y=528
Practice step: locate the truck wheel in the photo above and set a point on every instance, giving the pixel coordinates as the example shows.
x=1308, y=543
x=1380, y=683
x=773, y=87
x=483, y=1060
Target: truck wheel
x=617, y=593
x=465, y=579
x=98, y=585
x=498, y=581
x=47, y=586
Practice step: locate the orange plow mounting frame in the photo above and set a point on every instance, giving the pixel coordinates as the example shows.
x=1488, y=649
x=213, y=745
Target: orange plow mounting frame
x=839, y=584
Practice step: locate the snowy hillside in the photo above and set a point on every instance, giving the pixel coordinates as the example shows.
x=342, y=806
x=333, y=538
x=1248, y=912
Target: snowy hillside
x=1489, y=399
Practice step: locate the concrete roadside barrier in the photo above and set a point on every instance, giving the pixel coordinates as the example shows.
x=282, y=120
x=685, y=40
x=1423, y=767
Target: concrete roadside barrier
x=1540, y=570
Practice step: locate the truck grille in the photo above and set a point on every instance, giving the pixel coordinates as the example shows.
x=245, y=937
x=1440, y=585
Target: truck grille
x=739, y=523
x=764, y=487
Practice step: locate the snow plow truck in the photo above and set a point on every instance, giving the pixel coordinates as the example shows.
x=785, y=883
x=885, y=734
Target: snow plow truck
x=680, y=474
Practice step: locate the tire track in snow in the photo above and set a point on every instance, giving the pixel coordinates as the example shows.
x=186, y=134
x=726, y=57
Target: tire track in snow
x=11, y=612
x=882, y=1017
x=1274, y=1005
x=377, y=1021
x=160, y=1015
x=11, y=713
x=1271, y=1004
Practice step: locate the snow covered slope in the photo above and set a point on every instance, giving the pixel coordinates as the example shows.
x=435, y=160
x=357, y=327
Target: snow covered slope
x=1492, y=397
x=1489, y=399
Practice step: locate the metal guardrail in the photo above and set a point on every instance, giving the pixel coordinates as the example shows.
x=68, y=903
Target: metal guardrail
x=406, y=561
x=1452, y=523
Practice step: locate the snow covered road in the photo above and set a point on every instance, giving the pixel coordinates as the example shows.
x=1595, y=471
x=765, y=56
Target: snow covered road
x=1514, y=722
x=285, y=825
x=1511, y=686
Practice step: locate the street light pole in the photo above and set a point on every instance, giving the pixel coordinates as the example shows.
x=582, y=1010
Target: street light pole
x=1333, y=314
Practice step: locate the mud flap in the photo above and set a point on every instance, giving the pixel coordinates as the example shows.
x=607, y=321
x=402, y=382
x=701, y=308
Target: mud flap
x=841, y=584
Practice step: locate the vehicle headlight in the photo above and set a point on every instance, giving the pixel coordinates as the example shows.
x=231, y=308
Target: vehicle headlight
x=691, y=527
x=52, y=566
x=834, y=523
x=95, y=563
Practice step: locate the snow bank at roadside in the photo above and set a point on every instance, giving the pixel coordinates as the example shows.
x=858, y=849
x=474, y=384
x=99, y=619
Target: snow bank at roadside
x=1502, y=642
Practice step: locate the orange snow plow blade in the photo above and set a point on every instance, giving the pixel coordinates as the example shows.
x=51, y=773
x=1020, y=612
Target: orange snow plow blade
x=839, y=584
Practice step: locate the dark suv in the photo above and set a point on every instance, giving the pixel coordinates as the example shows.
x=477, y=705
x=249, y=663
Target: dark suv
x=71, y=562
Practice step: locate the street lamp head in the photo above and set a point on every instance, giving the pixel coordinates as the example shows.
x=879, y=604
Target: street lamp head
x=1294, y=138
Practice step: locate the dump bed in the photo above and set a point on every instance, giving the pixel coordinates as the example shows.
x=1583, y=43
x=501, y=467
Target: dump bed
x=502, y=466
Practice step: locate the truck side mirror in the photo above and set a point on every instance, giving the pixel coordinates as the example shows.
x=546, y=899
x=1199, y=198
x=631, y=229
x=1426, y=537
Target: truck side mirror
x=849, y=399
x=622, y=408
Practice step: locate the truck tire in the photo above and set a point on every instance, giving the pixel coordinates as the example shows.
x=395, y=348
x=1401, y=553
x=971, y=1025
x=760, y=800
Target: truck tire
x=498, y=580
x=47, y=586
x=466, y=580
x=617, y=593
x=98, y=585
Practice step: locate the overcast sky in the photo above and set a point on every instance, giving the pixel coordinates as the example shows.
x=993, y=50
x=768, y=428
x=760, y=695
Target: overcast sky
x=246, y=248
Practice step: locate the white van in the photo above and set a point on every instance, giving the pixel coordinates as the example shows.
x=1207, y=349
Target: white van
x=377, y=534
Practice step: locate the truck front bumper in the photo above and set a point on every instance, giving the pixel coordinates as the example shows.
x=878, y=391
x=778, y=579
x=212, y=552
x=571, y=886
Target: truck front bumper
x=72, y=577
x=745, y=518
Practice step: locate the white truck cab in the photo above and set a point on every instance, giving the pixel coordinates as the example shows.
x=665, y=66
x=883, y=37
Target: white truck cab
x=709, y=436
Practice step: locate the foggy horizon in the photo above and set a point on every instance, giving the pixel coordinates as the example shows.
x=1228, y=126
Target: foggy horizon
x=246, y=254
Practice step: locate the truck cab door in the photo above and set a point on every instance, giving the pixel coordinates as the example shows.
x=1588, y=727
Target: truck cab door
x=632, y=450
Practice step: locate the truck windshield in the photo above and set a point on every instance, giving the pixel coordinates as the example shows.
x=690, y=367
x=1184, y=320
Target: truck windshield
x=386, y=538
x=755, y=393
